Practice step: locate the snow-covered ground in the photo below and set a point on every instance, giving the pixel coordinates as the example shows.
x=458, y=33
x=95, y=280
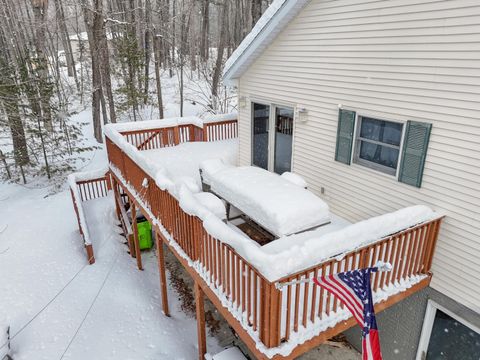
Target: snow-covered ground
x=106, y=311
x=47, y=292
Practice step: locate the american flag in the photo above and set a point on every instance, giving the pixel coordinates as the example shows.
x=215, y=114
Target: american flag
x=353, y=289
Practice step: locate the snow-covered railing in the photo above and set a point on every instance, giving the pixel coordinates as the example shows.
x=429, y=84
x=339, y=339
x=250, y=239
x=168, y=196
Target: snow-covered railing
x=86, y=186
x=245, y=278
x=220, y=127
x=156, y=134
x=306, y=309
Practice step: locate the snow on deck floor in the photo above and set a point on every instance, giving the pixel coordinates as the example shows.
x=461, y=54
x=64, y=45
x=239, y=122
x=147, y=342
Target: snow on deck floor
x=183, y=160
x=41, y=251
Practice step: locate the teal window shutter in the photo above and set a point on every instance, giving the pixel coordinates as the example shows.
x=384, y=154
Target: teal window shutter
x=415, y=145
x=346, y=125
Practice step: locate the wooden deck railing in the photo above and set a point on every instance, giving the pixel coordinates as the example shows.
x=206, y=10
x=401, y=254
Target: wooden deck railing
x=222, y=130
x=87, y=190
x=258, y=304
x=175, y=135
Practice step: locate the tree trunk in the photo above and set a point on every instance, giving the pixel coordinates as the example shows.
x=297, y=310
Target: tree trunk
x=204, y=43
x=40, y=8
x=106, y=75
x=148, y=51
x=94, y=22
x=220, y=50
x=256, y=11
x=67, y=46
x=156, y=52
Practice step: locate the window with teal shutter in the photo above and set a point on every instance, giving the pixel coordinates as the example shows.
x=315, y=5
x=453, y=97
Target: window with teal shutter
x=346, y=125
x=415, y=145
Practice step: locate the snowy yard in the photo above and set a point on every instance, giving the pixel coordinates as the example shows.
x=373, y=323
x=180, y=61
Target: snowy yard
x=106, y=311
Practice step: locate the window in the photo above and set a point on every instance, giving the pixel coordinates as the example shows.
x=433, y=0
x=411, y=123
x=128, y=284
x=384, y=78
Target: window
x=390, y=147
x=272, y=137
x=377, y=144
x=447, y=336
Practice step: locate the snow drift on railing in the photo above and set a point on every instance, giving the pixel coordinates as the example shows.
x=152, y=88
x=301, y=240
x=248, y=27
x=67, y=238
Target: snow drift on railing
x=209, y=119
x=169, y=122
x=274, y=265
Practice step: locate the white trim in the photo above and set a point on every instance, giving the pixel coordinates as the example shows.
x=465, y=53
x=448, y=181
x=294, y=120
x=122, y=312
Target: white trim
x=427, y=327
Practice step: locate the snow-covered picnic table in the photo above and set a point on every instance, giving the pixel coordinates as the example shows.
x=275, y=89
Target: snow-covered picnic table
x=277, y=204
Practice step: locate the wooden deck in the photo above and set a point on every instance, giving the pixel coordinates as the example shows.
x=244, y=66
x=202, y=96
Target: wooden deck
x=253, y=306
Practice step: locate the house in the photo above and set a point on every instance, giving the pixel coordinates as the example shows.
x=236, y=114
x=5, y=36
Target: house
x=369, y=111
x=377, y=106
x=80, y=45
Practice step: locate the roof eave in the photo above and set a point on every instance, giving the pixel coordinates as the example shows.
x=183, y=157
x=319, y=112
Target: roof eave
x=254, y=47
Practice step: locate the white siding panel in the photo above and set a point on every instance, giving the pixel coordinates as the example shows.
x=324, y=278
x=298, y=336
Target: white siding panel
x=396, y=59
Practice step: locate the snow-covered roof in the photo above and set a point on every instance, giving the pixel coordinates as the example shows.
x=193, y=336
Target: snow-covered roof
x=273, y=21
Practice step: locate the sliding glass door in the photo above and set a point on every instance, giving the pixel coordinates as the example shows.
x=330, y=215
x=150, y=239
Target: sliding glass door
x=272, y=137
x=261, y=129
x=283, y=140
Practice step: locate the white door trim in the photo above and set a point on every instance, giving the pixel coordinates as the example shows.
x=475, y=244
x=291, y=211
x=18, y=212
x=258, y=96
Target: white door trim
x=427, y=327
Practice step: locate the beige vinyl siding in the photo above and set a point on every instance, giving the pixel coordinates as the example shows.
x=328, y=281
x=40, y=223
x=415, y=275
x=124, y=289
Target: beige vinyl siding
x=394, y=59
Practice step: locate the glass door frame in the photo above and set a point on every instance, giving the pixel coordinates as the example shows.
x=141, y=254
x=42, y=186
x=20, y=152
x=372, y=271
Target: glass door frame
x=427, y=327
x=271, y=130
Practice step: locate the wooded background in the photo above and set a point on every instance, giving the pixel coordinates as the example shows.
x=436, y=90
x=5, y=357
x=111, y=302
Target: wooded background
x=103, y=54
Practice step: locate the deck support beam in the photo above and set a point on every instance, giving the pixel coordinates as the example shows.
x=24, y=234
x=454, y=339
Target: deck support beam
x=161, y=270
x=200, y=307
x=138, y=254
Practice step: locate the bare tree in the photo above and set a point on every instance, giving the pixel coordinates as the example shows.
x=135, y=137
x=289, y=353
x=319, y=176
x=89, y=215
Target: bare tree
x=40, y=8
x=223, y=21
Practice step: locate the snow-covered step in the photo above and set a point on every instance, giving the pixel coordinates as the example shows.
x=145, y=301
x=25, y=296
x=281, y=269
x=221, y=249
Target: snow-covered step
x=232, y=353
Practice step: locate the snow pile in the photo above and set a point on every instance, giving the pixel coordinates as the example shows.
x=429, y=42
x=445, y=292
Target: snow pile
x=220, y=117
x=228, y=354
x=212, y=203
x=280, y=206
x=210, y=167
x=153, y=124
x=294, y=179
x=183, y=161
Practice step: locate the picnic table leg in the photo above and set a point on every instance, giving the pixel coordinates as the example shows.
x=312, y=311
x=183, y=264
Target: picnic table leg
x=228, y=210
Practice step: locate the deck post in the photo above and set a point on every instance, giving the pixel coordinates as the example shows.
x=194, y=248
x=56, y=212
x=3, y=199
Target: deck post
x=90, y=256
x=191, y=133
x=138, y=255
x=270, y=305
x=176, y=135
x=161, y=270
x=200, y=307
